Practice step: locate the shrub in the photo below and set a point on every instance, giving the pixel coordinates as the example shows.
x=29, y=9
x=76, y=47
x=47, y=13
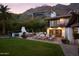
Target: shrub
x=24, y=35
x=65, y=41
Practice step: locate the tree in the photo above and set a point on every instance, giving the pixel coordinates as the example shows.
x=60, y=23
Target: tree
x=4, y=16
x=35, y=25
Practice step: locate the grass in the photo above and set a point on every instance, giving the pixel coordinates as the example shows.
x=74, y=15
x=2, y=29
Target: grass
x=21, y=47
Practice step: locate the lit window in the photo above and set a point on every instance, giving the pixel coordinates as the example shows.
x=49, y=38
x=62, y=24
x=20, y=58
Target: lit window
x=61, y=20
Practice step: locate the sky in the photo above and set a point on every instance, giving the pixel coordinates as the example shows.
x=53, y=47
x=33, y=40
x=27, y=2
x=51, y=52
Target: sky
x=22, y=7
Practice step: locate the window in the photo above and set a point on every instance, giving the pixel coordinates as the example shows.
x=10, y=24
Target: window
x=52, y=23
x=62, y=21
x=75, y=30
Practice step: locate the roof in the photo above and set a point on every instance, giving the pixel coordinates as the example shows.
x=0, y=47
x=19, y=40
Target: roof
x=75, y=25
x=73, y=20
x=58, y=17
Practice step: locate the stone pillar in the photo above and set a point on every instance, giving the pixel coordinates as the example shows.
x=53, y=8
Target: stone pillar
x=63, y=32
x=69, y=34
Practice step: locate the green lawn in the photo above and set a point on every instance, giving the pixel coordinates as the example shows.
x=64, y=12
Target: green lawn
x=21, y=47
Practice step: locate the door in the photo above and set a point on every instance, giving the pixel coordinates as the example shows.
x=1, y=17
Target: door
x=51, y=32
x=58, y=33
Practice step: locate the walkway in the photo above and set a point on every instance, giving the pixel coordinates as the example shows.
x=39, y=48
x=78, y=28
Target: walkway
x=69, y=50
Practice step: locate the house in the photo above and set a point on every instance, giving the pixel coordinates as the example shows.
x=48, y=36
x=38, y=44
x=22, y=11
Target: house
x=64, y=26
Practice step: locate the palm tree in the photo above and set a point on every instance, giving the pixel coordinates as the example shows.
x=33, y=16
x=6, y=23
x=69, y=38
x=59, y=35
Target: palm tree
x=4, y=16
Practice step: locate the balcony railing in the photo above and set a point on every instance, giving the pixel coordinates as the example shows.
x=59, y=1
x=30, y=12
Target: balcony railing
x=58, y=23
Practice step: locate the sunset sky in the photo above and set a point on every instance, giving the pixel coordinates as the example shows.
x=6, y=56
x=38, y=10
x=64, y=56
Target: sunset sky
x=22, y=7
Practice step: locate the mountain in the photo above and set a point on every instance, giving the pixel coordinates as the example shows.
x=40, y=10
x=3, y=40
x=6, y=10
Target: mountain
x=28, y=14
x=74, y=6
x=45, y=10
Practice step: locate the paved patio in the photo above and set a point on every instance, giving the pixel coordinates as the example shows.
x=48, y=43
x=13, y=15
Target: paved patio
x=70, y=50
